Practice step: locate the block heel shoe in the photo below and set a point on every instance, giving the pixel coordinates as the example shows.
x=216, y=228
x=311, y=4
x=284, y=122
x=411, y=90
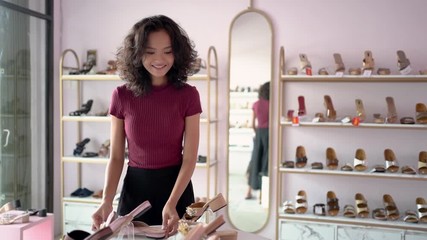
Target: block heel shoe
x=196, y=210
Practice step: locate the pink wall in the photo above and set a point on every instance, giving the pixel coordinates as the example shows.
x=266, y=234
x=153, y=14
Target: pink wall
x=317, y=28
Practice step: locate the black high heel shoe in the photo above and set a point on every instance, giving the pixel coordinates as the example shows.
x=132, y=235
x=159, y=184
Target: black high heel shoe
x=86, y=68
x=80, y=146
x=84, y=110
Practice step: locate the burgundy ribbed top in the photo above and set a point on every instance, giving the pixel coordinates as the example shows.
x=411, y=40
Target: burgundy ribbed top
x=261, y=110
x=154, y=124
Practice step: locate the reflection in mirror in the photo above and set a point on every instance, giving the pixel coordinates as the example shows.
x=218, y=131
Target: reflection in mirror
x=250, y=73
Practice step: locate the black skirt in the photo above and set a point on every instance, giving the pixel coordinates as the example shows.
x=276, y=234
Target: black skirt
x=154, y=185
x=258, y=165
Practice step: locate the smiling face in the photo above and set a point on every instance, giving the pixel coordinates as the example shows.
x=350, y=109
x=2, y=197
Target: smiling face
x=158, y=57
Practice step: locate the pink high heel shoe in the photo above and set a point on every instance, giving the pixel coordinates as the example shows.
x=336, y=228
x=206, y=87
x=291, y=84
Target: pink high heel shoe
x=196, y=210
x=205, y=230
x=12, y=217
x=112, y=226
x=116, y=225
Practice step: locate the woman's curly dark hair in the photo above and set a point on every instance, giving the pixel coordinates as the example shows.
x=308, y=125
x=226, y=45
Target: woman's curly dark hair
x=129, y=55
x=264, y=91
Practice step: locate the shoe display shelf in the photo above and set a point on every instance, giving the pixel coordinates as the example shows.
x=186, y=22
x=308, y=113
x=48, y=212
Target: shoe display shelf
x=206, y=81
x=80, y=172
x=345, y=138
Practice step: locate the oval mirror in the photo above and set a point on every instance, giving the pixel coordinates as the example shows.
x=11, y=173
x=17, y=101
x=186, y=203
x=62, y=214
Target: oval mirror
x=250, y=67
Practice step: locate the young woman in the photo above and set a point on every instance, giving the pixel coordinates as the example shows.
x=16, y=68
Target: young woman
x=157, y=113
x=258, y=166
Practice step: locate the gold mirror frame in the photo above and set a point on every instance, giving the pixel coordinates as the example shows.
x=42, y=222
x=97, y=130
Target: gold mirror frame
x=262, y=20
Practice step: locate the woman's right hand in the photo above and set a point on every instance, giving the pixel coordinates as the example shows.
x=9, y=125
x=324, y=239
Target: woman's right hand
x=101, y=215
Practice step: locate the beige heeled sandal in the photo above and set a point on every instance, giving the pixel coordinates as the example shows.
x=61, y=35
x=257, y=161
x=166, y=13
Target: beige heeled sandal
x=331, y=114
x=360, y=110
x=391, y=108
x=403, y=63
x=339, y=64
x=368, y=61
x=196, y=210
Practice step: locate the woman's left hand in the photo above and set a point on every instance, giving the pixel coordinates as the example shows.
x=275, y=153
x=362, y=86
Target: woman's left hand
x=170, y=219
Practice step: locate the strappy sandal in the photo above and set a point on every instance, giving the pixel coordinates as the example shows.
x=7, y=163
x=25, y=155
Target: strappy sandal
x=408, y=170
x=421, y=113
x=229, y=234
x=301, y=106
x=391, y=209
x=331, y=114
x=422, y=163
x=323, y=71
x=407, y=120
x=143, y=229
x=360, y=160
x=202, y=230
x=301, y=202
x=292, y=71
x=403, y=63
x=332, y=202
x=383, y=71
x=378, y=169
x=349, y=211
x=361, y=206
x=288, y=164
x=114, y=228
x=410, y=217
x=288, y=207
x=391, y=163
x=339, y=64
x=421, y=209
x=331, y=159
x=379, y=214
x=305, y=64
x=347, y=168
x=319, y=117
x=317, y=165
x=391, y=108
x=368, y=61
x=301, y=157
x=360, y=110
x=354, y=71
x=196, y=210
x=378, y=118
x=104, y=151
